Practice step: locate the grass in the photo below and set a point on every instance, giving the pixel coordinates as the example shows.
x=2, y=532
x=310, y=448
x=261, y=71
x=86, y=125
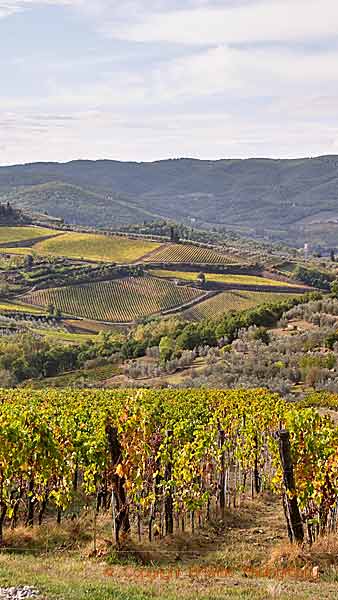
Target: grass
x=80, y=377
x=96, y=247
x=10, y=235
x=25, y=308
x=87, y=326
x=223, y=278
x=245, y=556
x=231, y=301
x=117, y=301
x=17, y=251
x=63, y=336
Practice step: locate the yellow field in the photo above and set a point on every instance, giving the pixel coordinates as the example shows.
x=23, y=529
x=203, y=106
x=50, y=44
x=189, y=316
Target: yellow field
x=185, y=253
x=96, y=247
x=10, y=235
x=18, y=251
x=26, y=308
x=217, y=277
x=231, y=301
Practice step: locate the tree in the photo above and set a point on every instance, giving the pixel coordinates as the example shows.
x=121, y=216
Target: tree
x=166, y=347
x=28, y=263
x=51, y=309
x=334, y=288
x=174, y=235
x=262, y=335
x=201, y=279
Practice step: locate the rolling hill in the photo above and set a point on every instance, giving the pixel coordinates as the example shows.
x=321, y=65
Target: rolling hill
x=292, y=200
x=119, y=301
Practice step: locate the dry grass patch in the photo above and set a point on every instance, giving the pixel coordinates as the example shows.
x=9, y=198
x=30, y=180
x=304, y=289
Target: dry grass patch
x=322, y=554
x=230, y=558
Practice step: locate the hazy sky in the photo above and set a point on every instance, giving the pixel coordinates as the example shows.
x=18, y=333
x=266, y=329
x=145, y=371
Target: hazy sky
x=151, y=79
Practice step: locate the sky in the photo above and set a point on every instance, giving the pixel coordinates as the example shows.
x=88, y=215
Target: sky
x=145, y=80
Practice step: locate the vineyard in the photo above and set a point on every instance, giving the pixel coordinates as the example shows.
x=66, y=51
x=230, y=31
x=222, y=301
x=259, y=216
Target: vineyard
x=96, y=247
x=120, y=301
x=185, y=253
x=165, y=461
x=249, y=280
x=231, y=301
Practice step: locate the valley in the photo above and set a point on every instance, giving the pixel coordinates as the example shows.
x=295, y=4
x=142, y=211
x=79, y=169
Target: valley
x=192, y=354
x=290, y=200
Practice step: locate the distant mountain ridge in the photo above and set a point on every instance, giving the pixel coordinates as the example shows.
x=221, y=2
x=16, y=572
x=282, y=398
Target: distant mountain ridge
x=295, y=200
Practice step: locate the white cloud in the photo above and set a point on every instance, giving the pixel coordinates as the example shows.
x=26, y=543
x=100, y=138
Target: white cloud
x=264, y=20
x=244, y=73
x=9, y=7
x=208, y=97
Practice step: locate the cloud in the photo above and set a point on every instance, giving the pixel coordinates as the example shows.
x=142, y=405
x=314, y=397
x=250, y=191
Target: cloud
x=248, y=72
x=262, y=20
x=218, y=88
x=10, y=7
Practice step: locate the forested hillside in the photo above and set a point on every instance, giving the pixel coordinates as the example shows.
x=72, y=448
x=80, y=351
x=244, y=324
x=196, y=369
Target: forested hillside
x=292, y=200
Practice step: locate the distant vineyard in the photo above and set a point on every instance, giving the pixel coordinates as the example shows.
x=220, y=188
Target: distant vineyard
x=230, y=301
x=97, y=247
x=250, y=280
x=184, y=253
x=121, y=300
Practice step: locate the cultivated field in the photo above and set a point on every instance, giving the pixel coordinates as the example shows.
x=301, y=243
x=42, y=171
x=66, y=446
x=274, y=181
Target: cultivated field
x=9, y=235
x=96, y=247
x=20, y=251
x=24, y=308
x=184, y=253
x=220, y=278
x=230, y=301
x=122, y=300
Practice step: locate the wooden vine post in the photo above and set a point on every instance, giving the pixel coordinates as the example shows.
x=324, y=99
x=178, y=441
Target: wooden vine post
x=168, y=502
x=221, y=481
x=257, y=477
x=120, y=510
x=290, y=501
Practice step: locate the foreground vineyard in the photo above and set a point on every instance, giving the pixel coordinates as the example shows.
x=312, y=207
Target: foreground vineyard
x=121, y=300
x=184, y=253
x=164, y=457
x=231, y=301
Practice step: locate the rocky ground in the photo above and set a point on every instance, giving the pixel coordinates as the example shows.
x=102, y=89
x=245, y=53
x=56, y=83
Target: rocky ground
x=18, y=593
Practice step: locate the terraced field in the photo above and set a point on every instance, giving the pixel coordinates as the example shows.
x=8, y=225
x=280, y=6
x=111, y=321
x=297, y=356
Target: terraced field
x=185, y=253
x=119, y=301
x=10, y=235
x=230, y=301
x=220, y=278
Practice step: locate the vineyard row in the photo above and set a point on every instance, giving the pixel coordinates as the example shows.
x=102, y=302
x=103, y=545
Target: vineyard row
x=122, y=300
x=162, y=458
x=184, y=253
